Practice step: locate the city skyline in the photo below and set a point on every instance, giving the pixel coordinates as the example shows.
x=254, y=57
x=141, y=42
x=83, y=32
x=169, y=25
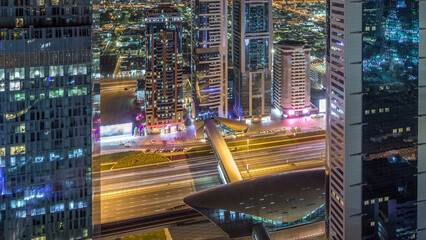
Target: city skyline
x=212, y=119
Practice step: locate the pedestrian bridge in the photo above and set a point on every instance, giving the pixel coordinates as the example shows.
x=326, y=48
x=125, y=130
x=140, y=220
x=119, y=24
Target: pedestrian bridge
x=226, y=165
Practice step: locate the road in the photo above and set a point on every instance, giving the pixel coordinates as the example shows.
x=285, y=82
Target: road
x=146, y=191
x=153, y=190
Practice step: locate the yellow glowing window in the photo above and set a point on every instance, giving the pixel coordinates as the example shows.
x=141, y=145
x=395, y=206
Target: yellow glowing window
x=380, y=110
x=381, y=199
x=400, y=130
x=373, y=28
x=381, y=88
x=395, y=131
x=386, y=109
x=373, y=201
x=408, y=129
x=367, y=112
x=367, y=28
x=386, y=198
x=366, y=202
x=20, y=149
x=373, y=224
x=2, y=152
x=373, y=111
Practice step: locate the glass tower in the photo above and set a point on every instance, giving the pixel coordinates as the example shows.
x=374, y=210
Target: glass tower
x=45, y=122
x=252, y=58
x=376, y=121
x=209, y=58
x=163, y=80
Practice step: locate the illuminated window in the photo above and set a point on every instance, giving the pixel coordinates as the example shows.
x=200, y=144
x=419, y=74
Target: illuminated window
x=386, y=109
x=19, y=97
x=85, y=232
x=40, y=2
x=17, y=73
x=380, y=110
x=373, y=224
x=373, y=111
x=408, y=129
x=381, y=199
x=15, y=86
x=20, y=128
x=366, y=202
x=400, y=130
x=55, y=2
x=36, y=72
x=395, y=131
x=386, y=198
x=42, y=95
x=19, y=22
x=373, y=28
x=372, y=201
x=367, y=28
x=20, y=149
x=367, y=112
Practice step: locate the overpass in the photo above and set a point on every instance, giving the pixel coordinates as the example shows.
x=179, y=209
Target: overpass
x=228, y=170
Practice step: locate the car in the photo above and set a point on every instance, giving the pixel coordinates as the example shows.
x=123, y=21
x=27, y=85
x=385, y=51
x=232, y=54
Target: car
x=126, y=89
x=152, y=141
x=127, y=145
x=121, y=144
x=148, y=150
x=262, y=131
x=277, y=130
x=284, y=129
x=269, y=131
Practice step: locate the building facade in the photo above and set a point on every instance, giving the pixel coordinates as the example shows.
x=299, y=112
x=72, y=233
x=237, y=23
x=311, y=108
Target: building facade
x=252, y=57
x=317, y=75
x=163, y=79
x=46, y=120
x=209, y=68
x=376, y=73
x=291, y=86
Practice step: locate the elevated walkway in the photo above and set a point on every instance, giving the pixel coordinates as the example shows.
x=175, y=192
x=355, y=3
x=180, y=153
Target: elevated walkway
x=227, y=168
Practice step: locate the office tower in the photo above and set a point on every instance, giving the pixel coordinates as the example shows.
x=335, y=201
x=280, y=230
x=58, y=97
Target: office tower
x=163, y=80
x=291, y=90
x=209, y=68
x=45, y=123
x=318, y=74
x=252, y=57
x=376, y=120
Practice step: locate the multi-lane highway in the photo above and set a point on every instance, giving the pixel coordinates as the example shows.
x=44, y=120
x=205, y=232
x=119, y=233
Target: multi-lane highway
x=153, y=190
x=158, y=189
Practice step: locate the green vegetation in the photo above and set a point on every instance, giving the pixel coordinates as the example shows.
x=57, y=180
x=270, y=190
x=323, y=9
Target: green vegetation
x=139, y=160
x=154, y=235
x=115, y=157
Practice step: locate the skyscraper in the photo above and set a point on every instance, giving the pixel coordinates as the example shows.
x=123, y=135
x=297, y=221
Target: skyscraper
x=45, y=123
x=291, y=88
x=376, y=119
x=252, y=57
x=163, y=80
x=209, y=68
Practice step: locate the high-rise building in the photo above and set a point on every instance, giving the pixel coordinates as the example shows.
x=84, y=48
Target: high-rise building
x=318, y=71
x=45, y=122
x=163, y=79
x=291, y=84
x=252, y=57
x=376, y=63
x=209, y=66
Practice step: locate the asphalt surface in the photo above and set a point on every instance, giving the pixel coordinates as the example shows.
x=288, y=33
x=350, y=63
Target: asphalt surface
x=157, y=189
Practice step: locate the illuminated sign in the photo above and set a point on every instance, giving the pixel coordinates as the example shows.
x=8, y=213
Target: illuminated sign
x=322, y=106
x=116, y=130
